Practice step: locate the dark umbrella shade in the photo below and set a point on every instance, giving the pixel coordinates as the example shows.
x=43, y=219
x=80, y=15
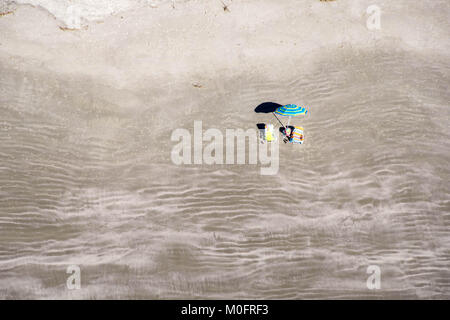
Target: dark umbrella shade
x=267, y=107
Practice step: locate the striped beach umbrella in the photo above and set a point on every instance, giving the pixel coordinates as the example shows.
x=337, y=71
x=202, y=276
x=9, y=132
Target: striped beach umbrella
x=291, y=110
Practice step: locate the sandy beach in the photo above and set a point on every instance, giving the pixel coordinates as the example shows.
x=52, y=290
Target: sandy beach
x=90, y=94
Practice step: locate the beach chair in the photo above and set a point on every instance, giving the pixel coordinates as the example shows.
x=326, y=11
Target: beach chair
x=266, y=132
x=262, y=132
x=298, y=135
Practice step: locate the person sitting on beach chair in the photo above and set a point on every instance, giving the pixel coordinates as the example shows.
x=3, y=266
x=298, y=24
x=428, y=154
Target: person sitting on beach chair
x=269, y=136
x=293, y=134
x=287, y=132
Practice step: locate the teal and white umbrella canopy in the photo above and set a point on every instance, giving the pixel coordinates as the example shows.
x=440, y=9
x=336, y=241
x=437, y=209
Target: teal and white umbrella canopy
x=291, y=110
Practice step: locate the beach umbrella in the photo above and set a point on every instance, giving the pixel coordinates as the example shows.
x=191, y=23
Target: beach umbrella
x=290, y=110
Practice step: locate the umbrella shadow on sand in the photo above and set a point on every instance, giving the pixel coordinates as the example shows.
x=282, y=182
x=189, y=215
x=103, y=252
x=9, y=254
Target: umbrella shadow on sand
x=267, y=107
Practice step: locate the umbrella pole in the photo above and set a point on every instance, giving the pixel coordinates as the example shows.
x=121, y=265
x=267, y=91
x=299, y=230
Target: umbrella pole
x=279, y=120
x=289, y=120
